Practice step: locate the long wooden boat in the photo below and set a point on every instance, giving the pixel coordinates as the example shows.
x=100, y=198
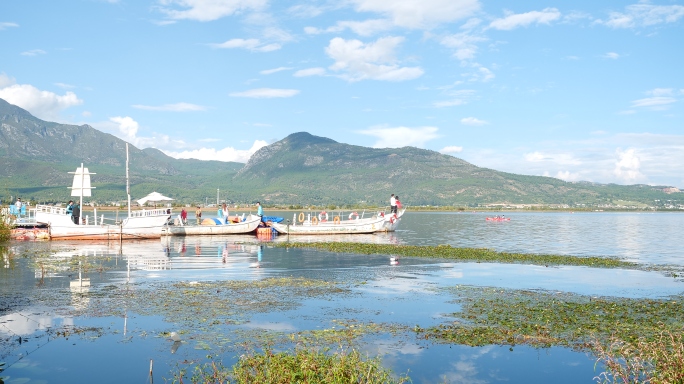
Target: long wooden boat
x=331, y=227
x=250, y=224
x=143, y=224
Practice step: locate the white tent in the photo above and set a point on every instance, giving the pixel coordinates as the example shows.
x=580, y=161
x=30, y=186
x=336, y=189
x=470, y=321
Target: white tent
x=154, y=197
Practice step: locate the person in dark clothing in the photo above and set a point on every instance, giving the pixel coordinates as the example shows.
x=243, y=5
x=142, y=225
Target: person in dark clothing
x=76, y=213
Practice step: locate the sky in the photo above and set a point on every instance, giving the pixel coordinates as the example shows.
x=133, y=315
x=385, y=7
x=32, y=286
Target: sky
x=580, y=91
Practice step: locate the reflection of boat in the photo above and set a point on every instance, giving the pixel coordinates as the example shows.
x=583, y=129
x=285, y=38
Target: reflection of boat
x=366, y=238
x=498, y=219
x=314, y=226
x=250, y=223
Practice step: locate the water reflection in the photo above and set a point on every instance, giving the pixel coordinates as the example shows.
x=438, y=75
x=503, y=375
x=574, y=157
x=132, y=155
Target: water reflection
x=377, y=288
x=636, y=236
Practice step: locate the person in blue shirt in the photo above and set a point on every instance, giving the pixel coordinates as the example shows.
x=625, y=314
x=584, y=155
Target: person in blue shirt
x=260, y=211
x=70, y=208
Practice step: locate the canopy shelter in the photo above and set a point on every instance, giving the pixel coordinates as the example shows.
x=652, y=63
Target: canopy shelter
x=154, y=197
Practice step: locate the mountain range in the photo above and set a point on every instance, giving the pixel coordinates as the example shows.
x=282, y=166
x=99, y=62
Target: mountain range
x=301, y=169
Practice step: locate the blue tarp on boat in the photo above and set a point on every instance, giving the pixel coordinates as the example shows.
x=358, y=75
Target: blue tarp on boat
x=274, y=219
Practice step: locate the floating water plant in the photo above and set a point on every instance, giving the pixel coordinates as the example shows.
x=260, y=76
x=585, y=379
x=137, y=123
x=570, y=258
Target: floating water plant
x=463, y=254
x=543, y=319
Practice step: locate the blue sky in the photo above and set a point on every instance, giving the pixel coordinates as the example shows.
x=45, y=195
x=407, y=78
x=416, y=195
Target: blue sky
x=582, y=90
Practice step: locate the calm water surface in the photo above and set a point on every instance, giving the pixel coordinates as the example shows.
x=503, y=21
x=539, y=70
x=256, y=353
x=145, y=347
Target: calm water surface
x=119, y=349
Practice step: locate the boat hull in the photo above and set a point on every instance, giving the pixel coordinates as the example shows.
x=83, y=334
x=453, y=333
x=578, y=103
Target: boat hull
x=145, y=224
x=344, y=227
x=247, y=226
x=392, y=221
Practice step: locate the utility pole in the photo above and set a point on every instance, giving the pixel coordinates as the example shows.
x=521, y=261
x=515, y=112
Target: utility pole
x=217, y=197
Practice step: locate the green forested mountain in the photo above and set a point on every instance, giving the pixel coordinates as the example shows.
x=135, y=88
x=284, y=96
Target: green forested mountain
x=301, y=169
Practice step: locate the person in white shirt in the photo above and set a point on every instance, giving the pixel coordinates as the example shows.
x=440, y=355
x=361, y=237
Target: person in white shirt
x=393, y=204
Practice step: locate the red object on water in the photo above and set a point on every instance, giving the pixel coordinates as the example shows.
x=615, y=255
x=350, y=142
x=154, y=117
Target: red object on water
x=498, y=219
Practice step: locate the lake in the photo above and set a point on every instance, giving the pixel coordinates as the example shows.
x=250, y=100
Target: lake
x=83, y=311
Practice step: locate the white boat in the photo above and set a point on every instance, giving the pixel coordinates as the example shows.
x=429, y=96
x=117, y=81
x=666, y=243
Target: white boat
x=392, y=221
x=249, y=224
x=142, y=224
x=314, y=226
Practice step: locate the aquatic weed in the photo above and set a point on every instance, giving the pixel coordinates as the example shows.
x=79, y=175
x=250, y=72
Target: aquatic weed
x=462, y=254
x=544, y=319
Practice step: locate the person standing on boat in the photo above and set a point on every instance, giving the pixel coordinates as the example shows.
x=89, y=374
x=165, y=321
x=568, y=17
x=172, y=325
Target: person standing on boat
x=224, y=208
x=18, y=205
x=198, y=215
x=184, y=216
x=76, y=213
x=393, y=204
x=397, y=203
x=219, y=212
x=70, y=208
x=260, y=211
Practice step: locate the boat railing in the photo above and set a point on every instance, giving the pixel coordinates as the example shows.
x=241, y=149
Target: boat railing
x=310, y=217
x=50, y=209
x=151, y=212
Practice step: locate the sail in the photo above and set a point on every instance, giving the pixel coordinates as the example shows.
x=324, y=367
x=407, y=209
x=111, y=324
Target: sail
x=81, y=185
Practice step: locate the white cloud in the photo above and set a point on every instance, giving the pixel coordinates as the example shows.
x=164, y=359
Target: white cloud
x=512, y=21
x=654, y=102
x=263, y=93
x=464, y=43
x=178, y=107
x=372, y=61
x=654, y=159
x=207, y=10
x=42, y=104
x=611, y=55
x=310, y=72
x=557, y=158
x=225, y=154
x=460, y=97
x=362, y=28
x=65, y=86
x=5, y=25
x=473, y=121
x=6, y=81
x=274, y=70
x=397, y=137
x=127, y=129
x=33, y=52
x=449, y=103
x=451, y=149
x=660, y=92
x=627, y=166
x=644, y=14
x=568, y=176
x=481, y=73
x=305, y=11
x=419, y=14
x=254, y=45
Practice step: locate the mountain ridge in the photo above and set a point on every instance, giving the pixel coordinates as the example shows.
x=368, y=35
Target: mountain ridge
x=300, y=169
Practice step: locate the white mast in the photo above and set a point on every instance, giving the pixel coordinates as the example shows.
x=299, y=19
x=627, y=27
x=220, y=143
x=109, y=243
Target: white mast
x=128, y=187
